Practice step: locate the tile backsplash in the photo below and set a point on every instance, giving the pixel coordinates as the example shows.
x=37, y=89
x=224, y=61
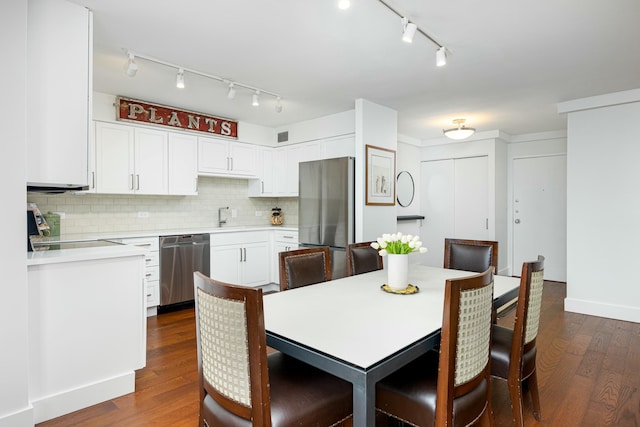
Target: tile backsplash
x=106, y=213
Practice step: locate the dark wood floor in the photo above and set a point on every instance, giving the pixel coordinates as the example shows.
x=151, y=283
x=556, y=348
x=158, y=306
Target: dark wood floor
x=589, y=374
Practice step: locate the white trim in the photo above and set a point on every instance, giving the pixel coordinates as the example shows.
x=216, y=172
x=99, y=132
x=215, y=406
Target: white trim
x=599, y=101
x=24, y=417
x=611, y=311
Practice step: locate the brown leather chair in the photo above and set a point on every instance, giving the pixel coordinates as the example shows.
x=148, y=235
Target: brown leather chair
x=239, y=384
x=470, y=255
x=513, y=351
x=452, y=388
x=362, y=258
x=302, y=267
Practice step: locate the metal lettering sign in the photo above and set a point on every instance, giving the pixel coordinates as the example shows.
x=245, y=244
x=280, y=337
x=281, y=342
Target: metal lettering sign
x=134, y=110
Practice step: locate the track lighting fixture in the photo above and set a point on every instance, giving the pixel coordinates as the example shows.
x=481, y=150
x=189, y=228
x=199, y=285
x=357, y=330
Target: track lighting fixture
x=460, y=132
x=132, y=67
x=344, y=4
x=408, y=30
x=180, y=79
x=441, y=57
x=232, y=91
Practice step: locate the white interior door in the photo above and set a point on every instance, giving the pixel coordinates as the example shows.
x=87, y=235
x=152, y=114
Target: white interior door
x=540, y=214
x=471, y=199
x=436, y=201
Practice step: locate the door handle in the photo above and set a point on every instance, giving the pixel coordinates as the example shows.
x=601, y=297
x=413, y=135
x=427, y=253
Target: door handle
x=517, y=221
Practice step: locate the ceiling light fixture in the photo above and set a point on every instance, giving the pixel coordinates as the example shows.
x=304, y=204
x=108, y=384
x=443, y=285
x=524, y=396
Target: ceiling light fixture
x=344, y=4
x=232, y=91
x=132, y=67
x=255, y=101
x=441, y=57
x=408, y=30
x=180, y=78
x=278, y=105
x=460, y=132
x=233, y=86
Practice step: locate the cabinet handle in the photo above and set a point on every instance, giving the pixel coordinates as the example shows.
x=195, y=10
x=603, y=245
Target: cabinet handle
x=487, y=223
x=148, y=295
x=148, y=275
x=240, y=254
x=137, y=182
x=262, y=187
x=93, y=180
x=231, y=159
x=195, y=184
x=131, y=182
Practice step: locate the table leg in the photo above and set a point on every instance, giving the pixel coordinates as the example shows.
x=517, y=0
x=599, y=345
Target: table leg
x=364, y=403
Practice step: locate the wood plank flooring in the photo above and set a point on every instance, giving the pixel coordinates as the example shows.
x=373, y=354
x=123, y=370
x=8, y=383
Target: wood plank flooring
x=588, y=370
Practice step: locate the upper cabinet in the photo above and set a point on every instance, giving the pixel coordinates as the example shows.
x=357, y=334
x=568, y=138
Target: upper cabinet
x=221, y=157
x=183, y=164
x=59, y=58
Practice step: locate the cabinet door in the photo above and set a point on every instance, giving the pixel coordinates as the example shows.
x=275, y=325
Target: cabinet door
x=114, y=158
x=243, y=159
x=339, y=147
x=213, y=156
x=183, y=164
x=471, y=198
x=151, y=165
x=225, y=263
x=255, y=265
x=264, y=186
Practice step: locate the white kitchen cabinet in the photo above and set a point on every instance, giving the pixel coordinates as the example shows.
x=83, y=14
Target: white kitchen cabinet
x=151, y=269
x=183, y=164
x=59, y=89
x=282, y=241
x=219, y=157
x=151, y=164
x=265, y=186
x=240, y=258
x=341, y=146
x=286, y=169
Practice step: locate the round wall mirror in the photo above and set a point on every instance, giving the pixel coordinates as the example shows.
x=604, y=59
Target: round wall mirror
x=404, y=189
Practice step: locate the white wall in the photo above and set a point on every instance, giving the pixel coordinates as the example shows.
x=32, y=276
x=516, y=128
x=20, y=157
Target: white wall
x=603, y=206
x=378, y=126
x=15, y=410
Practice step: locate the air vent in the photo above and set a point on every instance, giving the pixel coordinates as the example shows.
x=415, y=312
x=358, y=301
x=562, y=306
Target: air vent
x=283, y=136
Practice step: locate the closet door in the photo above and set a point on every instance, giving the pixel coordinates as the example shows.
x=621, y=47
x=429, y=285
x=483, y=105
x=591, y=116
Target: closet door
x=454, y=197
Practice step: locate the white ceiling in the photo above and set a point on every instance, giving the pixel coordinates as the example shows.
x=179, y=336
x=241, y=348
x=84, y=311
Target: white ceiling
x=510, y=62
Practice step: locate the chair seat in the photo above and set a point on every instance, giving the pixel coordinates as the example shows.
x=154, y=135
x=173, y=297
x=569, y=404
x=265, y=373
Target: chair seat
x=501, y=342
x=411, y=391
x=300, y=396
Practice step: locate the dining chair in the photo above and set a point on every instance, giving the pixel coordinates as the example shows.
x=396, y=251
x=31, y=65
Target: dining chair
x=451, y=388
x=240, y=385
x=362, y=258
x=302, y=267
x=513, y=351
x=470, y=255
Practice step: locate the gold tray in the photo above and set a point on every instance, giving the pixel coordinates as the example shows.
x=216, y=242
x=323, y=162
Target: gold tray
x=409, y=290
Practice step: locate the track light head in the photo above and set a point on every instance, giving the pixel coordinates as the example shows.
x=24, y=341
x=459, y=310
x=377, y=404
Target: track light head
x=132, y=67
x=232, y=91
x=180, y=78
x=441, y=57
x=255, y=101
x=408, y=30
x=278, y=105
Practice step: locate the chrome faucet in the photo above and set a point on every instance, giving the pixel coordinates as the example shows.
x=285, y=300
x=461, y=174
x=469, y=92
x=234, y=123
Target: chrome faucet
x=220, y=220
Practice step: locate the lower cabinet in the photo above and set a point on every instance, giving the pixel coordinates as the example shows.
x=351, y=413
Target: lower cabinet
x=240, y=258
x=152, y=269
x=282, y=241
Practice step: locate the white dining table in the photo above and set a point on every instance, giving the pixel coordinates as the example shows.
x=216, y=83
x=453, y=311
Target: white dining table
x=353, y=329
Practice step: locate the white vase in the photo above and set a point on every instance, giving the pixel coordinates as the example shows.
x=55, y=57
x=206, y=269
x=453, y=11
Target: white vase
x=397, y=271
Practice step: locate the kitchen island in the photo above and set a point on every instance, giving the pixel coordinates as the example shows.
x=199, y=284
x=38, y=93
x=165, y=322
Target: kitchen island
x=87, y=326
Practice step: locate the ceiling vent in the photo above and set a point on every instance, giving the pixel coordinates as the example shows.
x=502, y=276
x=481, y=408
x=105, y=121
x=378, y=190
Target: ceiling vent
x=283, y=136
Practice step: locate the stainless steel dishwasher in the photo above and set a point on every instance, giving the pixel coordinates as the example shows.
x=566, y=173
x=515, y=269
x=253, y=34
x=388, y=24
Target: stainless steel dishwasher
x=180, y=256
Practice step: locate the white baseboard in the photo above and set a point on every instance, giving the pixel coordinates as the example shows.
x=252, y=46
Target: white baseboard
x=49, y=407
x=23, y=418
x=610, y=311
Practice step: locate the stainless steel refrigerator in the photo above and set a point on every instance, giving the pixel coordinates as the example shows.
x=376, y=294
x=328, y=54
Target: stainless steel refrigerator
x=326, y=208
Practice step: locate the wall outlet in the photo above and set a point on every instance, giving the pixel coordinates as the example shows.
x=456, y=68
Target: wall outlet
x=258, y=213
x=234, y=213
x=143, y=214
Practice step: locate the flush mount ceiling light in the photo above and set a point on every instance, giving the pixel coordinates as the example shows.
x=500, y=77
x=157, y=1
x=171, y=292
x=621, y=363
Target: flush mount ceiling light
x=180, y=78
x=460, y=132
x=232, y=85
x=344, y=4
x=255, y=101
x=132, y=67
x=408, y=30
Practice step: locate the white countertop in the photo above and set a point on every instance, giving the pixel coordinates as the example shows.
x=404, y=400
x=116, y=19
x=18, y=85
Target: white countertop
x=83, y=254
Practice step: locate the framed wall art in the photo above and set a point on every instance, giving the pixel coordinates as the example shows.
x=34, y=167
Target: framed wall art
x=381, y=176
